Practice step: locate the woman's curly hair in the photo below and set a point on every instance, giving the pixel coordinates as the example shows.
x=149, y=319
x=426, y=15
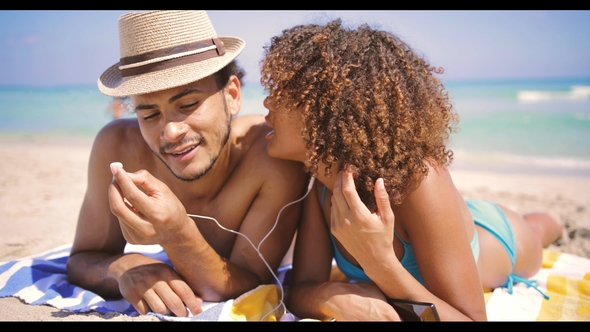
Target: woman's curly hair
x=367, y=100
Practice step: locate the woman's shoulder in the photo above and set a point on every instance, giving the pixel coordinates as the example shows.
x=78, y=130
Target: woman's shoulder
x=435, y=178
x=429, y=194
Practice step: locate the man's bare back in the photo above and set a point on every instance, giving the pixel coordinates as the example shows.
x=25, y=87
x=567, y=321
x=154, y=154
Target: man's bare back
x=184, y=154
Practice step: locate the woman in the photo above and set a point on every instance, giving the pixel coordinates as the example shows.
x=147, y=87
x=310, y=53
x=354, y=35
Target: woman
x=370, y=121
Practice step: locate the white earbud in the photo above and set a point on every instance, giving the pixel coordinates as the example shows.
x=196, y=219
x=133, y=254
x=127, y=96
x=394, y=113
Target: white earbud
x=116, y=163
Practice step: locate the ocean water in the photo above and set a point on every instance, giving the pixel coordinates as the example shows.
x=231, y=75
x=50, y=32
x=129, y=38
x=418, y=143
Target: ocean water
x=528, y=126
x=76, y=111
x=540, y=125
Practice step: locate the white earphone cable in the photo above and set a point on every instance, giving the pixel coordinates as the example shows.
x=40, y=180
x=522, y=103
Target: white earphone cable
x=257, y=248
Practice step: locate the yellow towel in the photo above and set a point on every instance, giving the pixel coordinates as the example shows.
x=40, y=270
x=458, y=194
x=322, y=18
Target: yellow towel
x=569, y=297
x=564, y=277
x=255, y=304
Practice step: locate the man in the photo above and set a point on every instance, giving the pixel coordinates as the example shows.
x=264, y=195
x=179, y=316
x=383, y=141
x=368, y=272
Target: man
x=185, y=153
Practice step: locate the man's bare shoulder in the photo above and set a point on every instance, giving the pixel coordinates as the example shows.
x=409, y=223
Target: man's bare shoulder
x=250, y=138
x=121, y=140
x=120, y=128
x=248, y=125
x=250, y=141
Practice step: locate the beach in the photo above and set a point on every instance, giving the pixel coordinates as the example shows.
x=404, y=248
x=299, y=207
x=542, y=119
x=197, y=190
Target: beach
x=41, y=190
x=43, y=181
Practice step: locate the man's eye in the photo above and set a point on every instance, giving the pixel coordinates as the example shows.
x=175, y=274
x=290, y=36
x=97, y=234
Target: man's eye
x=151, y=116
x=189, y=105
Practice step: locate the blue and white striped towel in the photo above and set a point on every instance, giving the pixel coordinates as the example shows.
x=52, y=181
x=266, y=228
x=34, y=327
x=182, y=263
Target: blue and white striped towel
x=42, y=279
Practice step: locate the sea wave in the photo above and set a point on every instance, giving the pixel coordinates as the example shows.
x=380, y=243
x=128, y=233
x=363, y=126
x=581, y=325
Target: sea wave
x=576, y=92
x=577, y=164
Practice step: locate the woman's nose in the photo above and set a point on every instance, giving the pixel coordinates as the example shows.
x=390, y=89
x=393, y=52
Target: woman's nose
x=267, y=103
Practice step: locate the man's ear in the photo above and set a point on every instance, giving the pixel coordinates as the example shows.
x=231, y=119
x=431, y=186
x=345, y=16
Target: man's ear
x=233, y=95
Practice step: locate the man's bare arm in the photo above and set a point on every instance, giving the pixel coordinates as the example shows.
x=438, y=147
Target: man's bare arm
x=98, y=241
x=155, y=215
x=97, y=262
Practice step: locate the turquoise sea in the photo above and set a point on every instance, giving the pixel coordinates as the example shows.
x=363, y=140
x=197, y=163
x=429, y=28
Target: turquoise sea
x=532, y=126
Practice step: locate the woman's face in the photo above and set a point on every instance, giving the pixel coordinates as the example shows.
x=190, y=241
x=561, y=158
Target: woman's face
x=284, y=141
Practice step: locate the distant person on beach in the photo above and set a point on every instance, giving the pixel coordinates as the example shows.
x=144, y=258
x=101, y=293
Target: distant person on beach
x=370, y=121
x=117, y=107
x=184, y=153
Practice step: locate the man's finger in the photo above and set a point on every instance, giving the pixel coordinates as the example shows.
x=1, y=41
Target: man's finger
x=155, y=302
x=129, y=189
x=172, y=301
x=188, y=297
x=138, y=189
x=146, y=181
x=136, y=301
x=117, y=201
x=128, y=215
x=142, y=307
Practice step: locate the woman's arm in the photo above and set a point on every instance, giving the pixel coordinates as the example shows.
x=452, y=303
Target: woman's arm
x=311, y=294
x=434, y=219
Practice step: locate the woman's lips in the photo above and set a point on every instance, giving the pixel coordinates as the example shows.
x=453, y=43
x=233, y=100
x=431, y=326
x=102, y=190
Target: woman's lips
x=272, y=131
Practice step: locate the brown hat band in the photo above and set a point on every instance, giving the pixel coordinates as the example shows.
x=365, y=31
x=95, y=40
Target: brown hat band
x=219, y=50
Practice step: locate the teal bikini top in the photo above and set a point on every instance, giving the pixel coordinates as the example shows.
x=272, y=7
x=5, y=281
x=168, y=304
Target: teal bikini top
x=486, y=214
x=355, y=273
x=408, y=261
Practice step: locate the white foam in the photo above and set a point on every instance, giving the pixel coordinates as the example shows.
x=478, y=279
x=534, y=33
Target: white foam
x=576, y=92
x=565, y=163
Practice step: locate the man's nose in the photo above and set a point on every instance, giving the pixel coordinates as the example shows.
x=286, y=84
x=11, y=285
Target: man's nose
x=174, y=130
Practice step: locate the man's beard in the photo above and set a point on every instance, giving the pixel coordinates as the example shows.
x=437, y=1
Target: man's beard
x=213, y=159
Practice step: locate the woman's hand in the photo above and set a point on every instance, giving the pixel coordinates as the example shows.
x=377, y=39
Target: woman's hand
x=361, y=301
x=366, y=236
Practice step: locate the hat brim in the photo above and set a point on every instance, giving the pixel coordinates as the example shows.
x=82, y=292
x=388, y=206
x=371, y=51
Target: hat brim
x=112, y=83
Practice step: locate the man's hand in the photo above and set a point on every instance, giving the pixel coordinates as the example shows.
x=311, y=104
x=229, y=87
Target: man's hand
x=155, y=286
x=148, y=212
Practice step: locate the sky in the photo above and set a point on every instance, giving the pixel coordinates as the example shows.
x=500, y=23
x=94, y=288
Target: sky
x=51, y=48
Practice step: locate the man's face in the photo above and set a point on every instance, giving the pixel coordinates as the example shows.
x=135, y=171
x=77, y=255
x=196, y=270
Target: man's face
x=187, y=127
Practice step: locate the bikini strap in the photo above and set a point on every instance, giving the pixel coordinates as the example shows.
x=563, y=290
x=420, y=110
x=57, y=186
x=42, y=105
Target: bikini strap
x=530, y=283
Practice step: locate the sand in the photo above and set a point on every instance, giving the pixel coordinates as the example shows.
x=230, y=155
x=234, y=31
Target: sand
x=42, y=184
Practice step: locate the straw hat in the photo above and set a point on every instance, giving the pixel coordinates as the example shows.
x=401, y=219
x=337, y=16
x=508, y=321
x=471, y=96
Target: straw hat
x=166, y=49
